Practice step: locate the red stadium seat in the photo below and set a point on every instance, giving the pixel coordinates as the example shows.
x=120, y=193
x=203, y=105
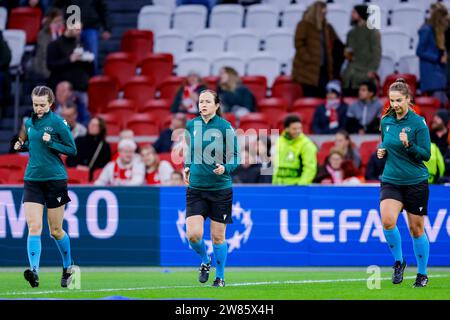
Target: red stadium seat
x=98, y=171
x=157, y=66
x=140, y=89
x=230, y=117
x=76, y=176
x=120, y=66
x=101, y=90
x=143, y=125
x=27, y=19
x=113, y=126
x=169, y=87
x=366, y=149
x=167, y=156
x=306, y=103
x=272, y=107
x=13, y=161
x=324, y=150
x=284, y=87
x=123, y=109
x=257, y=85
x=254, y=120
x=159, y=109
x=4, y=175
x=410, y=79
x=305, y=115
x=428, y=107
x=138, y=43
x=211, y=82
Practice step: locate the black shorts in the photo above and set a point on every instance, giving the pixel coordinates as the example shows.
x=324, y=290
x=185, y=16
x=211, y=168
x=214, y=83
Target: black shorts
x=52, y=193
x=215, y=204
x=413, y=197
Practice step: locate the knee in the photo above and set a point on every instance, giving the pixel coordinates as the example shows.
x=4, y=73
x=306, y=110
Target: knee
x=218, y=238
x=56, y=232
x=194, y=236
x=388, y=223
x=416, y=230
x=35, y=228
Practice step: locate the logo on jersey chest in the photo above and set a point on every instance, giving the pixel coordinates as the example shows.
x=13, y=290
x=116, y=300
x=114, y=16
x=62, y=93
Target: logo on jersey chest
x=407, y=129
x=48, y=129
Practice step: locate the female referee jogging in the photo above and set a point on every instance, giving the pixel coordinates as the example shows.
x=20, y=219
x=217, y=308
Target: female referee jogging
x=404, y=183
x=46, y=136
x=212, y=154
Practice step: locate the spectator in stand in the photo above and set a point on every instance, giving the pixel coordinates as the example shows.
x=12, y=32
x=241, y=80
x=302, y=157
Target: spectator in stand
x=344, y=143
x=94, y=16
x=186, y=99
x=248, y=171
x=295, y=160
x=93, y=150
x=363, y=116
x=337, y=170
x=127, y=134
x=314, y=40
x=68, y=61
x=70, y=114
x=235, y=96
x=156, y=171
x=41, y=4
x=263, y=156
x=436, y=165
x=375, y=167
x=126, y=170
x=5, y=81
x=176, y=179
x=439, y=130
x=53, y=29
x=331, y=116
x=432, y=53
x=65, y=96
x=362, y=52
x=170, y=135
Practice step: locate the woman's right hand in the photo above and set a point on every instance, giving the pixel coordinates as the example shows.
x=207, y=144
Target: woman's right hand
x=186, y=176
x=381, y=153
x=18, y=145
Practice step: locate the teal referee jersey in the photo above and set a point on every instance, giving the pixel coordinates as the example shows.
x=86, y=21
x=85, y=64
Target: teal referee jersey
x=208, y=144
x=405, y=166
x=44, y=163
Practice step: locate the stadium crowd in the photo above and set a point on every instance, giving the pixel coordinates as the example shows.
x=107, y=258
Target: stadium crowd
x=341, y=78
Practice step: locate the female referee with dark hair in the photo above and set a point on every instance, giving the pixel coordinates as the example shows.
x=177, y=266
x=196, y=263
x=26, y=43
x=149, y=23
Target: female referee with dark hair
x=45, y=183
x=212, y=154
x=404, y=183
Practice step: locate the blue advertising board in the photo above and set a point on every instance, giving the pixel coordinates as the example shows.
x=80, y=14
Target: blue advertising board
x=305, y=226
x=107, y=226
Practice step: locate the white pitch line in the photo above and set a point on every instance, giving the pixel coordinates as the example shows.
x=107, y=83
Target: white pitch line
x=241, y=284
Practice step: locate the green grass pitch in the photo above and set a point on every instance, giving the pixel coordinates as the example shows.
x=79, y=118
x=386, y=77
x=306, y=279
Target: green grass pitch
x=241, y=283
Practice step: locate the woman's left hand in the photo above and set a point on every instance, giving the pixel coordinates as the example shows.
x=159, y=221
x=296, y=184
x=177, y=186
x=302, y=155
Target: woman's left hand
x=404, y=138
x=219, y=170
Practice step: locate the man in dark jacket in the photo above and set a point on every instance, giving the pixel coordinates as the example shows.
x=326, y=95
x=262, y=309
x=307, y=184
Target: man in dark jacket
x=165, y=142
x=67, y=62
x=439, y=131
x=94, y=16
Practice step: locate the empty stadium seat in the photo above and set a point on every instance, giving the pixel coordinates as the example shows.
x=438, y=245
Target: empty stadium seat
x=168, y=88
x=154, y=18
x=228, y=59
x=27, y=19
x=279, y=42
x=171, y=4
x=211, y=82
x=255, y=120
x=143, y=125
x=388, y=4
x=230, y=117
x=272, y=107
x=409, y=63
x=190, y=18
x=120, y=67
x=339, y=17
x=410, y=79
x=292, y=15
x=140, y=89
x=261, y=17
x=209, y=41
x=197, y=62
x=171, y=41
x=159, y=109
x=264, y=64
x=113, y=124
x=3, y=18
x=428, y=107
x=122, y=109
x=279, y=4
x=138, y=43
x=305, y=115
x=157, y=66
x=408, y=17
x=395, y=41
x=101, y=90
x=76, y=176
x=225, y=16
x=307, y=103
x=246, y=42
x=284, y=87
x=366, y=149
x=387, y=66
x=257, y=85
x=16, y=40
x=324, y=151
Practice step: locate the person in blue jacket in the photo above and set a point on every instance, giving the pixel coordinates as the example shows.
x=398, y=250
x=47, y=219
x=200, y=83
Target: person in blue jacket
x=432, y=53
